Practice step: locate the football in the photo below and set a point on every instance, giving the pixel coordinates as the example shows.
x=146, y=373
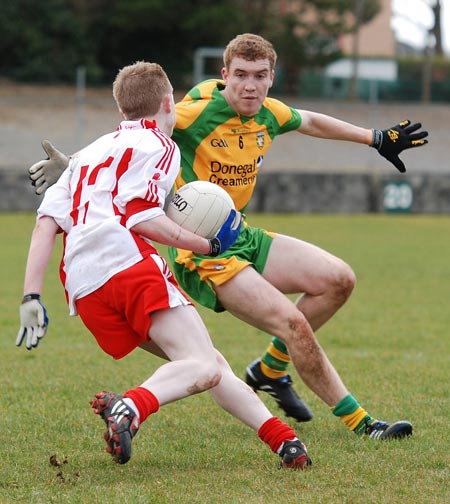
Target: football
x=201, y=207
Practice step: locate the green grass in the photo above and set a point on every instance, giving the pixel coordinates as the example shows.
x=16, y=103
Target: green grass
x=390, y=343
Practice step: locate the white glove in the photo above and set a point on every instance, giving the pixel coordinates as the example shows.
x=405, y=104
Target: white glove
x=33, y=321
x=45, y=173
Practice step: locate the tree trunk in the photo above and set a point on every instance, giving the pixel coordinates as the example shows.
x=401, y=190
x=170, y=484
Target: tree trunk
x=436, y=30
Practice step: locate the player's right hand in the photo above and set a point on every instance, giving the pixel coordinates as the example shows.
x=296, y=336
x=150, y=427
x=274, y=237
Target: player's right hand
x=45, y=173
x=227, y=234
x=33, y=321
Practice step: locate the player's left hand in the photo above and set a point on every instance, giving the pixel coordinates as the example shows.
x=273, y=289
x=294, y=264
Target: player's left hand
x=227, y=234
x=390, y=142
x=33, y=321
x=45, y=173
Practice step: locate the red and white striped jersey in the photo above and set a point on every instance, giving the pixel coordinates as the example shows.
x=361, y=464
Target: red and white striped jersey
x=119, y=180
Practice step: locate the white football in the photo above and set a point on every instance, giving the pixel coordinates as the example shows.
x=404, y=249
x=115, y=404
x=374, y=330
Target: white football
x=201, y=207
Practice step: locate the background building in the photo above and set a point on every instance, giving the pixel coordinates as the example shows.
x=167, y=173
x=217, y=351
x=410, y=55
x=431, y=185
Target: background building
x=375, y=39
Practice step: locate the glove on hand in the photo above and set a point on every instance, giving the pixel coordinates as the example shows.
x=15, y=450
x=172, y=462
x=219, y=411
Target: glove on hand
x=33, y=321
x=390, y=142
x=45, y=173
x=227, y=234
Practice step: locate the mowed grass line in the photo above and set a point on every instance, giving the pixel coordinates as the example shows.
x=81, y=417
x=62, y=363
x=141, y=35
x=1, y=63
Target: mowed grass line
x=390, y=343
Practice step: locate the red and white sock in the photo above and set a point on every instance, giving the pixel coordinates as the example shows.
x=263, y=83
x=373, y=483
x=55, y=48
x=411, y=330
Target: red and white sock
x=142, y=401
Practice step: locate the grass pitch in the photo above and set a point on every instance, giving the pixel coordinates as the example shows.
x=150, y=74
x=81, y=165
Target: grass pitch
x=390, y=343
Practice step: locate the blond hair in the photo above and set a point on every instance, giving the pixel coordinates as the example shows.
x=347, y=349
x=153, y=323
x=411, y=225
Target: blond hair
x=249, y=47
x=139, y=89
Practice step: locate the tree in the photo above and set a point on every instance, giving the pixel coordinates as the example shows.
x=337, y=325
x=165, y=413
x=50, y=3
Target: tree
x=41, y=41
x=435, y=32
x=46, y=41
x=305, y=32
x=164, y=31
x=436, y=29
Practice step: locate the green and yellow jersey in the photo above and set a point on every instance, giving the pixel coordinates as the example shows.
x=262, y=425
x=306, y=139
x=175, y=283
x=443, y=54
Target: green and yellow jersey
x=220, y=146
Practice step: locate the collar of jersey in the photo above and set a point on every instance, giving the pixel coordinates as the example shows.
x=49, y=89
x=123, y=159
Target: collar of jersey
x=139, y=124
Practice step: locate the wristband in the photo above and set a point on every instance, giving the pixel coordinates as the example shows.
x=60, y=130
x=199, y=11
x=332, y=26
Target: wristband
x=214, y=247
x=377, y=139
x=30, y=297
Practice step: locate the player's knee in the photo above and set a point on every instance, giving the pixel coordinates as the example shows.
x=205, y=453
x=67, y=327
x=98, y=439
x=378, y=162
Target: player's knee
x=211, y=374
x=295, y=328
x=343, y=283
x=208, y=375
x=299, y=325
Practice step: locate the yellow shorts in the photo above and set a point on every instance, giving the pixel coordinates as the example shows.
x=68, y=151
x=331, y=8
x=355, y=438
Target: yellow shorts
x=197, y=274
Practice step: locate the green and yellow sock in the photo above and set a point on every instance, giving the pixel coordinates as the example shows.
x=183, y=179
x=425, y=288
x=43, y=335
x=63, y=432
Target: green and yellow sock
x=353, y=415
x=275, y=361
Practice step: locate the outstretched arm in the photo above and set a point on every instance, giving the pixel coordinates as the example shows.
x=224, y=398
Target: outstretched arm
x=324, y=126
x=33, y=315
x=389, y=142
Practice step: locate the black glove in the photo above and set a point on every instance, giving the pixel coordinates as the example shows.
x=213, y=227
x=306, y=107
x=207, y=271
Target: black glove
x=227, y=234
x=390, y=142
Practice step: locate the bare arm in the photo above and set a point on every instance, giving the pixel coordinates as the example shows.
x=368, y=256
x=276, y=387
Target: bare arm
x=41, y=247
x=163, y=230
x=388, y=142
x=324, y=126
x=33, y=315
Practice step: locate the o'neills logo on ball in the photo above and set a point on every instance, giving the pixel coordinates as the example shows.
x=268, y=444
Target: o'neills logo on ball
x=178, y=202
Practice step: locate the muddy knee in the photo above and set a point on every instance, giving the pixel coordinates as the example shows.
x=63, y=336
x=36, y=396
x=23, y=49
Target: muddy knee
x=342, y=284
x=208, y=375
